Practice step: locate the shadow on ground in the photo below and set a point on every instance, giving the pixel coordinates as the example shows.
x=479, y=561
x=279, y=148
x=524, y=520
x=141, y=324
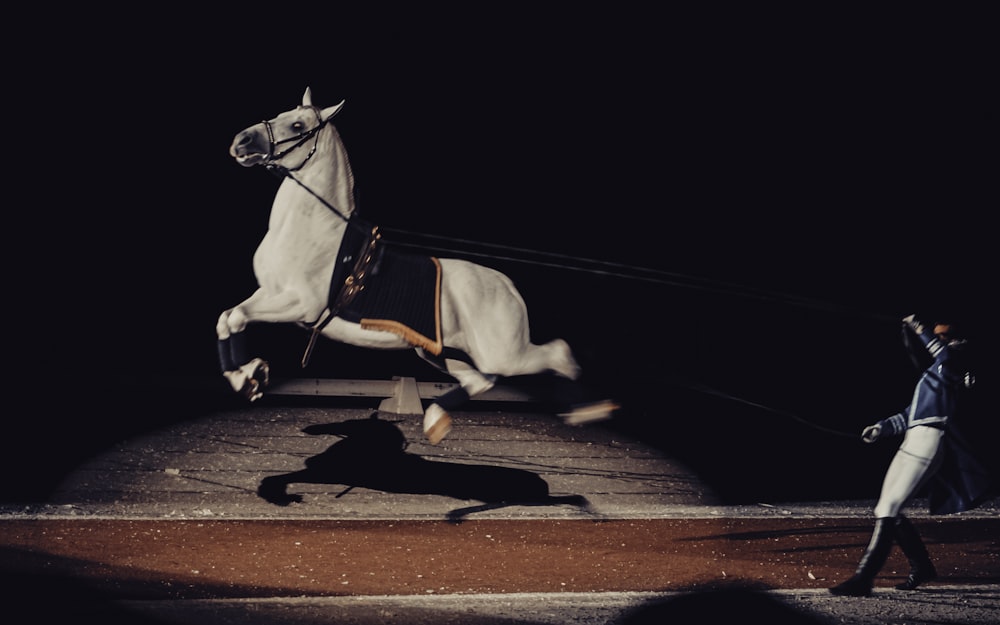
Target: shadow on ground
x=371, y=453
x=737, y=604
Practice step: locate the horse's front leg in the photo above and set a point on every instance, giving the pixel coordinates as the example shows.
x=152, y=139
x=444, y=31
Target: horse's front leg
x=248, y=375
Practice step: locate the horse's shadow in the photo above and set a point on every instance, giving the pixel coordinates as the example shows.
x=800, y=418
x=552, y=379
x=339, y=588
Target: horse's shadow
x=372, y=454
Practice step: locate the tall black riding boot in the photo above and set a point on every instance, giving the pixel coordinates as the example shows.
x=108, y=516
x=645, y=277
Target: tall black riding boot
x=860, y=584
x=921, y=567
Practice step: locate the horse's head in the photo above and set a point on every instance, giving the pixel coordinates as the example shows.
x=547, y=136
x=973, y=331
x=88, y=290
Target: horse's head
x=290, y=136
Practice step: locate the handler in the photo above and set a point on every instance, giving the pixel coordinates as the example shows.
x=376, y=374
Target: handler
x=933, y=453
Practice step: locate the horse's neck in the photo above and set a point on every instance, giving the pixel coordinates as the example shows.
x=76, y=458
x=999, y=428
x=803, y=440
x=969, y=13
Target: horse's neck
x=322, y=192
x=329, y=173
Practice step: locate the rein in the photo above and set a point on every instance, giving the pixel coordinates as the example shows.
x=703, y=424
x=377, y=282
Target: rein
x=283, y=172
x=287, y=172
x=355, y=281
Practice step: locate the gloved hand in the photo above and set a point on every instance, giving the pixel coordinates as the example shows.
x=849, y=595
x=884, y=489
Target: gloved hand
x=871, y=433
x=916, y=325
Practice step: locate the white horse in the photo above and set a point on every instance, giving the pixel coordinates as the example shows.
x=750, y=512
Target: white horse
x=482, y=319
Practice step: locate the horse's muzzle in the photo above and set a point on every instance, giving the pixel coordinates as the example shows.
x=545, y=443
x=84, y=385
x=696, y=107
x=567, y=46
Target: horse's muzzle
x=249, y=160
x=249, y=148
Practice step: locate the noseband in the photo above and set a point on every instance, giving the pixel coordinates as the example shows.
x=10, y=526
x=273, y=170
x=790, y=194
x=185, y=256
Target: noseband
x=273, y=154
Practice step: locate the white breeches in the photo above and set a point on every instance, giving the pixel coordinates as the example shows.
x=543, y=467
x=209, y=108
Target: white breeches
x=914, y=462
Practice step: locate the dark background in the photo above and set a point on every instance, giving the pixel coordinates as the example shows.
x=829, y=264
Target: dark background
x=801, y=179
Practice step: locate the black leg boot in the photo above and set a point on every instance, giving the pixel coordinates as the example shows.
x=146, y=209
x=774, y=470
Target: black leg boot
x=860, y=584
x=921, y=567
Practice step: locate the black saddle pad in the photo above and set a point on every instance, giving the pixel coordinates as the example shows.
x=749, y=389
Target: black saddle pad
x=403, y=296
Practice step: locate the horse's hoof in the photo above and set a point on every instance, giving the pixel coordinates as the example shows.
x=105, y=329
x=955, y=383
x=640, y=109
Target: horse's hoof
x=251, y=390
x=439, y=430
x=590, y=413
x=258, y=370
x=251, y=379
x=437, y=424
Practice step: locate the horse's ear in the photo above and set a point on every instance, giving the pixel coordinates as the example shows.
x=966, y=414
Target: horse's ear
x=307, y=97
x=329, y=112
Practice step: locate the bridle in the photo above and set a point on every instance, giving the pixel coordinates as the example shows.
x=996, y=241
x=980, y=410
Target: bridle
x=274, y=154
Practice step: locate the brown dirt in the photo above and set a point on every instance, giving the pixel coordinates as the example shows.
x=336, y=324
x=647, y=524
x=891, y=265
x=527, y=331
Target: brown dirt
x=149, y=559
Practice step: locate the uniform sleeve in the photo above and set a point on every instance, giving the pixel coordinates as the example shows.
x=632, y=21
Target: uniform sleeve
x=925, y=335
x=894, y=425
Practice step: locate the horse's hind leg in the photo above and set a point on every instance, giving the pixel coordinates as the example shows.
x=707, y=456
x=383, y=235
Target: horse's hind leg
x=437, y=420
x=557, y=357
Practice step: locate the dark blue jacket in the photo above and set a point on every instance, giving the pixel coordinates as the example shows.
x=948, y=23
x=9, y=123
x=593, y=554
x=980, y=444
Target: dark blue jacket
x=942, y=399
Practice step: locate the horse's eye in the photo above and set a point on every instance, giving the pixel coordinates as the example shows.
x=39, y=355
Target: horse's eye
x=298, y=126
